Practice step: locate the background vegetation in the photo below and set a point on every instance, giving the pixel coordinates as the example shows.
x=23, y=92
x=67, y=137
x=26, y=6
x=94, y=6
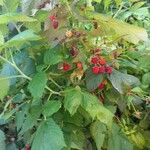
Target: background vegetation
x=74, y=74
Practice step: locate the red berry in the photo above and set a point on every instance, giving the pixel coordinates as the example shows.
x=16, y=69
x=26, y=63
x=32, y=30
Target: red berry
x=94, y=60
x=79, y=65
x=95, y=69
x=102, y=69
x=27, y=147
x=66, y=67
x=55, y=24
x=101, y=86
x=108, y=69
x=74, y=52
x=52, y=18
x=102, y=61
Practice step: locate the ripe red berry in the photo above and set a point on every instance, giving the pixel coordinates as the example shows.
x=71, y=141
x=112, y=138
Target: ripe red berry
x=108, y=69
x=101, y=86
x=94, y=60
x=52, y=18
x=95, y=69
x=27, y=147
x=102, y=61
x=102, y=69
x=66, y=67
x=55, y=24
x=74, y=52
x=79, y=65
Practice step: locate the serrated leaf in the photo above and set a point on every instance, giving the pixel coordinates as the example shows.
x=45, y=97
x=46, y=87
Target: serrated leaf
x=117, y=141
x=146, y=78
x=111, y=26
x=75, y=140
x=4, y=86
x=24, y=63
x=92, y=80
x=138, y=139
x=10, y=7
x=15, y=17
x=72, y=100
x=21, y=38
x=97, y=111
x=31, y=119
x=144, y=62
x=98, y=130
x=51, y=107
x=120, y=80
x=2, y=140
x=37, y=85
x=19, y=119
x=48, y=137
x=53, y=56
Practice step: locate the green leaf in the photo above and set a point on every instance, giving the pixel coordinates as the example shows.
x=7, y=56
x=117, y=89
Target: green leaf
x=15, y=17
x=1, y=2
x=23, y=61
x=48, y=137
x=10, y=7
x=74, y=137
x=136, y=6
x=51, y=107
x=53, y=56
x=138, y=139
x=4, y=87
x=73, y=98
x=111, y=26
x=20, y=116
x=21, y=38
x=1, y=39
x=96, y=110
x=37, y=85
x=117, y=141
x=2, y=140
x=98, y=130
x=107, y=3
x=120, y=80
x=144, y=62
x=92, y=80
x=146, y=78
x=31, y=119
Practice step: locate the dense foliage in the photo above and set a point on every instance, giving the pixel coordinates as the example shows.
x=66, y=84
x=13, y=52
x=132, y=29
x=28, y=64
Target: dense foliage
x=74, y=74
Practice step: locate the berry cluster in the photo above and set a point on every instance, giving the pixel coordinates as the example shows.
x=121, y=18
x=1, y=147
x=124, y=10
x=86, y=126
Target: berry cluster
x=54, y=21
x=100, y=65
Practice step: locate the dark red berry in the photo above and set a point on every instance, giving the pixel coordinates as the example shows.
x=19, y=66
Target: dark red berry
x=108, y=69
x=94, y=60
x=102, y=69
x=52, y=18
x=74, y=52
x=66, y=67
x=55, y=24
x=101, y=86
x=79, y=65
x=95, y=69
x=102, y=61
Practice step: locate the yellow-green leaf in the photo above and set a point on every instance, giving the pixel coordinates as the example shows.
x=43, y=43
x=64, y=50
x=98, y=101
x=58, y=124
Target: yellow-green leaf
x=4, y=87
